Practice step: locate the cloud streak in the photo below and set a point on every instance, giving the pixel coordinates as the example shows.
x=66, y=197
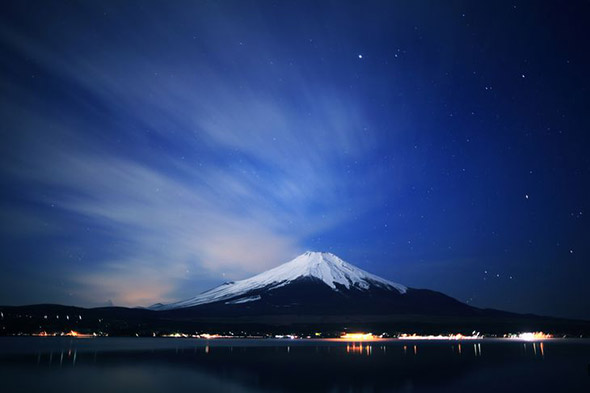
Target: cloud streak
x=197, y=174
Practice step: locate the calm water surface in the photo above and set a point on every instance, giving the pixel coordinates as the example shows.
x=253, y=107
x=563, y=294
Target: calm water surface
x=191, y=365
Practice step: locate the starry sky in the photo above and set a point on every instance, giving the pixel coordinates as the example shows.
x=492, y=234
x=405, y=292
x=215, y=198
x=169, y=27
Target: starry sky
x=151, y=150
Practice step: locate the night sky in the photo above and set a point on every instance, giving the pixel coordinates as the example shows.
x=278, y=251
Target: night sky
x=152, y=150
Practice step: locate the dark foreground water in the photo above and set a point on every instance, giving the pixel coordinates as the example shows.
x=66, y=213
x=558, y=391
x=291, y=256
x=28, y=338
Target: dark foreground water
x=188, y=365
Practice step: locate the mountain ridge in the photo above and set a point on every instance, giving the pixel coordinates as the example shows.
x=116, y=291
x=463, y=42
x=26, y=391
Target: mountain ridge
x=323, y=266
x=318, y=292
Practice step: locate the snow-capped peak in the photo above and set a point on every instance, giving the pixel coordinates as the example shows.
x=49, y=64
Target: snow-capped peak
x=323, y=266
x=328, y=268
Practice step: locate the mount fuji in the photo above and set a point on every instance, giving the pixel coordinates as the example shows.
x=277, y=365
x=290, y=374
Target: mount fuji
x=315, y=292
x=318, y=283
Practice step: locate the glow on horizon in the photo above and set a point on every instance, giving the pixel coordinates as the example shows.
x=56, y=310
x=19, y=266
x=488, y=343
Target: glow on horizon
x=359, y=337
x=533, y=336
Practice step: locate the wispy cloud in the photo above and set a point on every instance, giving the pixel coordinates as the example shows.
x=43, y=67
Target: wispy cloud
x=206, y=176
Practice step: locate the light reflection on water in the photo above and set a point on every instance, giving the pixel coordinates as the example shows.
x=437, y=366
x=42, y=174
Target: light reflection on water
x=239, y=366
x=352, y=348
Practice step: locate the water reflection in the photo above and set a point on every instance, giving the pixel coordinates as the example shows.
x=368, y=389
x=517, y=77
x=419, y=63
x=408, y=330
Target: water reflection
x=70, y=358
x=477, y=349
x=355, y=348
x=327, y=367
x=538, y=349
x=367, y=349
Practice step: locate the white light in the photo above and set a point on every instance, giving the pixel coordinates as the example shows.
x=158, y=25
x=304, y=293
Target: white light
x=533, y=336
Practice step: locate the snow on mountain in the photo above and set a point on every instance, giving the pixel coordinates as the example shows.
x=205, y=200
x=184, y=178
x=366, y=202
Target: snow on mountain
x=323, y=266
x=245, y=299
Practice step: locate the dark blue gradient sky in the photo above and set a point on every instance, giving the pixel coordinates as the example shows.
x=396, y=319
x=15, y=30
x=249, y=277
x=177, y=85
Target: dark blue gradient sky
x=151, y=150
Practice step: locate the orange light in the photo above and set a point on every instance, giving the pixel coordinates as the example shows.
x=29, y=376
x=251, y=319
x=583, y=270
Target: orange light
x=359, y=349
x=73, y=333
x=358, y=336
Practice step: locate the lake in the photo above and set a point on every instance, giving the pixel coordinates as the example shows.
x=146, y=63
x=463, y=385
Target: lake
x=104, y=364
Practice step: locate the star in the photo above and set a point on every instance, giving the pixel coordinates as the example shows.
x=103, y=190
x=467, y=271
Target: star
x=360, y=56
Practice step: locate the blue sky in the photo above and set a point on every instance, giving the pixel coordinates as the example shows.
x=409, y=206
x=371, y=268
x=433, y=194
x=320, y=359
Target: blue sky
x=152, y=151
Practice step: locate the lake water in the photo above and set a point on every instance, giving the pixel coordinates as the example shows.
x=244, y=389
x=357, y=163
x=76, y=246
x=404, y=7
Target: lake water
x=145, y=365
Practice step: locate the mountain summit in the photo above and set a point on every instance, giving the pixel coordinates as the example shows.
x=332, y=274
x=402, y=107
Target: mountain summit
x=331, y=270
x=320, y=266
x=317, y=282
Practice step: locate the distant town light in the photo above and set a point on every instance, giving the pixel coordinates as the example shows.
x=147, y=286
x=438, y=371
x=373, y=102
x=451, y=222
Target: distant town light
x=358, y=336
x=532, y=336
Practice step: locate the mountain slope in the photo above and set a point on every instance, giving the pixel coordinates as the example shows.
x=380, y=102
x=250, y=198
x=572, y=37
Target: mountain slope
x=316, y=283
x=324, y=267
